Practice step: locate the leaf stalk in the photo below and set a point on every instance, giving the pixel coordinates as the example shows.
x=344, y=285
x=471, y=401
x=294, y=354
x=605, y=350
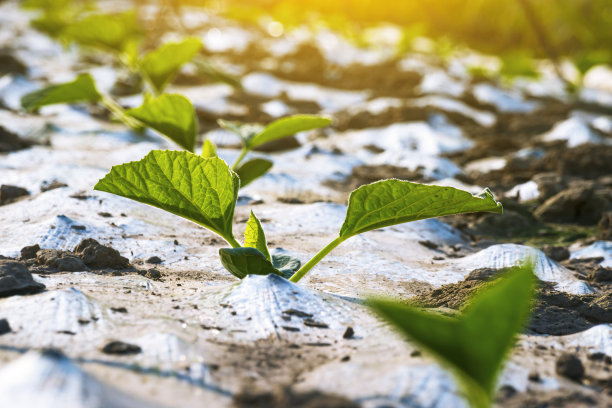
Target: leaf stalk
x=316, y=259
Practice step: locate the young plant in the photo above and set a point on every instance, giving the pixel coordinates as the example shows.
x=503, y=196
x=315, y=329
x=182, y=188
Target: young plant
x=253, y=135
x=205, y=190
x=172, y=115
x=474, y=344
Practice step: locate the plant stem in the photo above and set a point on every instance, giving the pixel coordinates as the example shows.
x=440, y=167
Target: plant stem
x=118, y=111
x=240, y=158
x=315, y=259
x=232, y=241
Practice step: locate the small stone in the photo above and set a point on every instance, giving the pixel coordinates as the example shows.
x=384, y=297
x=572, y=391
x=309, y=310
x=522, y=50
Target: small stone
x=29, y=252
x=534, y=377
x=51, y=185
x=349, y=333
x=153, y=274
x=156, y=260
x=9, y=193
x=105, y=214
x=416, y=353
x=4, y=327
x=16, y=279
x=121, y=348
x=556, y=253
x=314, y=323
x=345, y=359
x=599, y=356
x=569, y=366
x=118, y=309
x=483, y=274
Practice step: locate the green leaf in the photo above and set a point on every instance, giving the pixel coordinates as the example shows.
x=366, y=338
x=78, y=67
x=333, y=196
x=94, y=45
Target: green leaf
x=82, y=89
x=241, y=262
x=171, y=115
x=108, y=31
x=203, y=190
x=474, y=344
x=287, y=127
x=245, y=131
x=390, y=202
x=254, y=236
x=204, y=67
x=162, y=64
x=287, y=265
x=209, y=149
x=253, y=169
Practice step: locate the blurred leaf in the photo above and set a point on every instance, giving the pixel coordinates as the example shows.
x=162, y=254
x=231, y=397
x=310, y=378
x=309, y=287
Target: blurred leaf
x=216, y=74
x=252, y=170
x=163, y=64
x=108, y=31
x=287, y=126
x=172, y=115
x=209, y=149
x=518, y=64
x=82, y=89
x=475, y=344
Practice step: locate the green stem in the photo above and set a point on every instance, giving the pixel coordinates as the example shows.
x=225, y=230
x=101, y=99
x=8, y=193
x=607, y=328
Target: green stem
x=240, y=158
x=232, y=241
x=315, y=259
x=118, y=111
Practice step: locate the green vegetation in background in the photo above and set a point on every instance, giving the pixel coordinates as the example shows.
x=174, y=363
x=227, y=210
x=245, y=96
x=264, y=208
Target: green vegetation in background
x=474, y=344
x=579, y=29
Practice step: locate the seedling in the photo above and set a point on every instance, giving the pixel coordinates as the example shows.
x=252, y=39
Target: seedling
x=474, y=344
x=254, y=135
x=205, y=189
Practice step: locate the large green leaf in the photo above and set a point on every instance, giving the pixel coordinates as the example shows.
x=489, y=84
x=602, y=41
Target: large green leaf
x=254, y=236
x=171, y=115
x=162, y=64
x=108, y=31
x=252, y=170
x=287, y=127
x=241, y=262
x=390, y=202
x=475, y=344
x=82, y=89
x=203, y=190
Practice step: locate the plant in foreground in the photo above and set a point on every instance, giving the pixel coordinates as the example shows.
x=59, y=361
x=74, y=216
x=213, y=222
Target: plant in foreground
x=474, y=344
x=205, y=189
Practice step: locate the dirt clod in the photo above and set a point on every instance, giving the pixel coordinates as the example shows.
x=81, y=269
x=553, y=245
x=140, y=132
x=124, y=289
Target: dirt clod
x=10, y=142
x=556, y=253
x=600, y=274
x=156, y=260
x=16, y=279
x=153, y=274
x=349, y=333
x=29, y=252
x=51, y=185
x=97, y=256
x=577, y=204
x=121, y=348
x=9, y=193
x=4, y=327
x=569, y=366
x=287, y=398
x=60, y=260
